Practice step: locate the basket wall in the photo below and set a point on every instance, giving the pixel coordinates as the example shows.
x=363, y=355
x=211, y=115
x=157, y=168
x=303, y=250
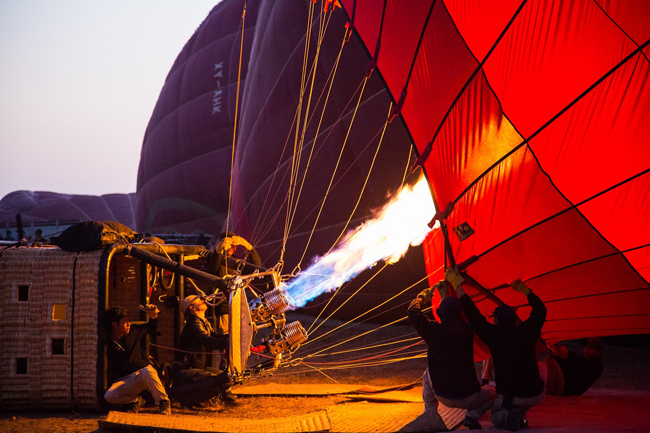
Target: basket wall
x=33, y=371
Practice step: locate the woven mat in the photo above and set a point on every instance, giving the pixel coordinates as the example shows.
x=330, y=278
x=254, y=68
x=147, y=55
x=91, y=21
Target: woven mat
x=372, y=417
x=120, y=421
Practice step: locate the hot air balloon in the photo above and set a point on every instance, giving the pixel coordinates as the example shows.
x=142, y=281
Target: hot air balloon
x=526, y=118
x=529, y=119
x=57, y=211
x=335, y=119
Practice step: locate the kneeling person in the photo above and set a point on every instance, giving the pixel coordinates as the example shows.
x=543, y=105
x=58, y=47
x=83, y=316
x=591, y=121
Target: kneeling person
x=194, y=381
x=519, y=377
x=451, y=356
x=125, y=359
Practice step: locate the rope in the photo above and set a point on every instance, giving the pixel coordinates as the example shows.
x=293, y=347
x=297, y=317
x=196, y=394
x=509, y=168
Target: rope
x=347, y=135
x=324, y=374
x=336, y=292
x=373, y=346
x=355, y=319
x=293, y=206
x=408, y=164
x=356, y=336
x=256, y=232
x=234, y=131
x=179, y=350
x=345, y=302
x=299, y=113
x=360, y=335
x=320, y=122
x=372, y=309
x=372, y=164
x=335, y=184
x=379, y=355
x=419, y=355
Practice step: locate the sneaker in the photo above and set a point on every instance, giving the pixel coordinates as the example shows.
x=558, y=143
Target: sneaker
x=165, y=407
x=472, y=424
x=228, y=397
x=512, y=422
x=135, y=406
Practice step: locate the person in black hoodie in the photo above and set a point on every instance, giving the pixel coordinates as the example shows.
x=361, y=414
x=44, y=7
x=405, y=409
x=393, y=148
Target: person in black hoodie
x=518, y=376
x=450, y=356
x=128, y=363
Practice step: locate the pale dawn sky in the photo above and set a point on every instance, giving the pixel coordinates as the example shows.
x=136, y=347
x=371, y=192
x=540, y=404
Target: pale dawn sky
x=78, y=82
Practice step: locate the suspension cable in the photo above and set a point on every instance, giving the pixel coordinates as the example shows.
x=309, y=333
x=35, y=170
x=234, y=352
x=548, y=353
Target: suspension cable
x=346, y=301
x=297, y=133
x=347, y=135
x=320, y=122
x=234, y=132
x=372, y=346
x=375, y=356
x=372, y=309
x=372, y=164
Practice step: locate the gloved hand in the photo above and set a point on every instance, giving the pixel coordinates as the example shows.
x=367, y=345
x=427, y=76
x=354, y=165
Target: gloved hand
x=453, y=276
x=520, y=287
x=426, y=295
x=232, y=241
x=150, y=310
x=443, y=289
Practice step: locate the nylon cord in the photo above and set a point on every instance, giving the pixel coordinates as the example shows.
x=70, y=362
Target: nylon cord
x=345, y=302
x=234, y=132
x=374, y=308
x=372, y=164
x=347, y=135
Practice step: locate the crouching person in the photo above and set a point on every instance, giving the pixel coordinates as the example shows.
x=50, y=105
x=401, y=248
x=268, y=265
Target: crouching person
x=194, y=382
x=450, y=356
x=518, y=375
x=126, y=361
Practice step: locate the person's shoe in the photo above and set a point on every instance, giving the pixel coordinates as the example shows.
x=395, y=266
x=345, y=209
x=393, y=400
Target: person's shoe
x=228, y=397
x=135, y=406
x=472, y=424
x=512, y=422
x=523, y=422
x=165, y=407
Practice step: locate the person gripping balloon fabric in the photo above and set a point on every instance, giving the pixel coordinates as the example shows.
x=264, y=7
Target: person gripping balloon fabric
x=519, y=378
x=451, y=377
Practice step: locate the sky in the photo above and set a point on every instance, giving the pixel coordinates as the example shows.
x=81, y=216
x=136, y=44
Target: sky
x=78, y=82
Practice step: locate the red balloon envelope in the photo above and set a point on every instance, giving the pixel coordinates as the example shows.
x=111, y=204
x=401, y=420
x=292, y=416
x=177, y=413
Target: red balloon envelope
x=532, y=119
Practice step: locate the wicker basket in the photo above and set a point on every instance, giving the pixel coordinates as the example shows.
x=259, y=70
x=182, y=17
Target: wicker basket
x=51, y=302
x=48, y=328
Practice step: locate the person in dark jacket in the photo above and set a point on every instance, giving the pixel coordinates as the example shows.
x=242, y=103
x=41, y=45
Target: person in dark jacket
x=230, y=245
x=573, y=374
x=519, y=378
x=194, y=380
x=450, y=356
x=128, y=362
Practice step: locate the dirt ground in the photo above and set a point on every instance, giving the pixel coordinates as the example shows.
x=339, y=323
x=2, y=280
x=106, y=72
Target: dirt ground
x=626, y=368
